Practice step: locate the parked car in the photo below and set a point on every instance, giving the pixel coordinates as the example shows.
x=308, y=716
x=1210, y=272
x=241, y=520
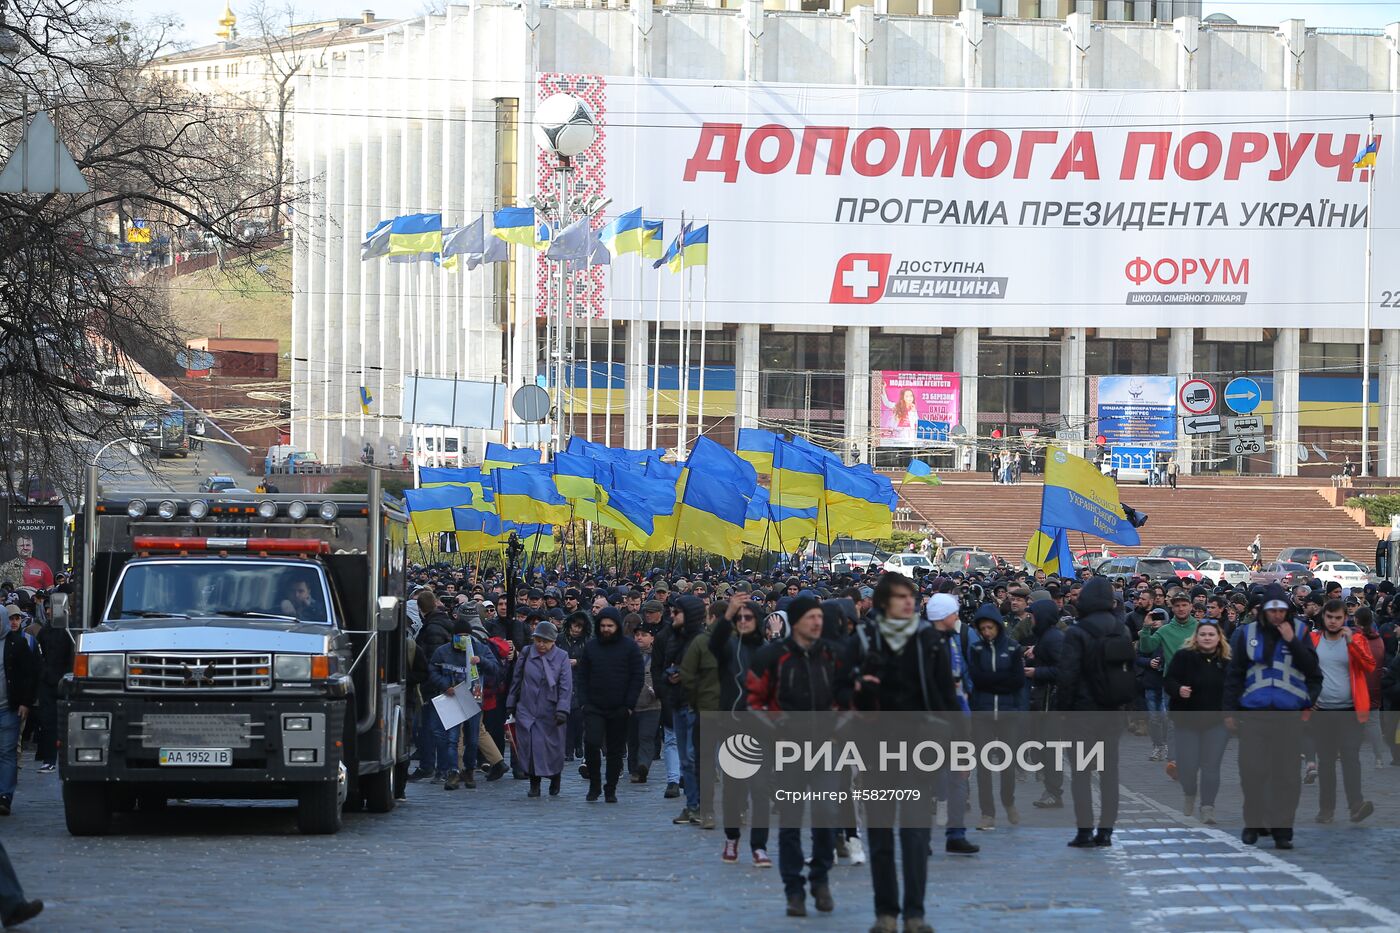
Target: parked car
x=1088, y=558
x=1125, y=568
x=909, y=564
x=217, y=483
x=1287, y=573
x=963, y=559
x=1344, y=572
x=1305, y=555
x=1196, y=555
x=1230, y=571
x=1185, y=570
x=854, y=562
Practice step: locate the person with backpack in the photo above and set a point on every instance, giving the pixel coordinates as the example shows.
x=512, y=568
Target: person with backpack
x=1096, y=674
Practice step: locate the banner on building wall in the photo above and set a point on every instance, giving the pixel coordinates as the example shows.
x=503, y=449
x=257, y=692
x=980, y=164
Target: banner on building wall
x=31, y=544
x=832, y=205
x=1137, y=411
x=914, y=409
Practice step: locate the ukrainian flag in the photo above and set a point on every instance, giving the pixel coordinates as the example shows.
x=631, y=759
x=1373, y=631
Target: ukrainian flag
x=431, y=477
x=501, y=457
x=517, y=225
x=538, y=539
x=476, y=531
x=1049, y=551
x=626, y=234
x=574, y=476
x=797, y=473
x=1077, y=496
x=920, y=472
x=653, y=239
x=715, y=500
x=756, y=446
x=139, y=232
x=595, y=451
x=633, y=501
x=527, y=494
x=672, y=257
x=1367, y=158
x=366, y=400
x=855, y=504
x=430, y=510
x=414, y=234
x=694, y=249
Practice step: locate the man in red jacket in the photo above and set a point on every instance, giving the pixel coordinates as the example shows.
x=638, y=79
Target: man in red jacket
x=1345, y=659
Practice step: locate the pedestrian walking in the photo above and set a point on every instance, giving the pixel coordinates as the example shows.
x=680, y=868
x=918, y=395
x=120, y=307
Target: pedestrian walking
x=645, y=721
x=541, y=692
x=15, y=908
x=996, y=676
x=18, y=674
x=609, y=681
x=1195, y=685
x=1340, y=711
x=735, y=640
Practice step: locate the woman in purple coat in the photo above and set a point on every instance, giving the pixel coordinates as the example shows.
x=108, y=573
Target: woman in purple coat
x=540, y=696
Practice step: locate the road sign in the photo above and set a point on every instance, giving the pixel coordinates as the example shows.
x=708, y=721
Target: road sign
x=1201, y=424
x=1242, y=395
x=1240, y=446
x=41, y=163
x=1197, y=396
x=1252, y=424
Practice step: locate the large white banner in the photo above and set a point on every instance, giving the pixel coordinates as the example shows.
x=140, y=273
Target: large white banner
x=835, y=205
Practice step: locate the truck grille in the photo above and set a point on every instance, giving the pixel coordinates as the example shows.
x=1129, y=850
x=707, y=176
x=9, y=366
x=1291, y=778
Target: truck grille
x=199, y=672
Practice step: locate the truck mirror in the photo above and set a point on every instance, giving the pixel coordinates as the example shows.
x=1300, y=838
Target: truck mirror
x=388, y=614
x=58, y=610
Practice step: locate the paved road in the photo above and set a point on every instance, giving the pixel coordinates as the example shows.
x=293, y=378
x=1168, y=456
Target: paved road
x=491, y=859
x=121, y=470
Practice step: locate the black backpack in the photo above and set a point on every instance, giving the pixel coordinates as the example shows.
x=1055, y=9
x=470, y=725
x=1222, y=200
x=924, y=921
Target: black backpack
x=1109, y=669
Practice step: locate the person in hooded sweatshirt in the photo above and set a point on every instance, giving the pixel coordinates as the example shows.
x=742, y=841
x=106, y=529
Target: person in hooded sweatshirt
x=607, y=681
x=687, y=623
x=573, y=635
x=996, y=674
x=435, y=632
x=458, y=665
x=1083, y=682
x=1042, y=659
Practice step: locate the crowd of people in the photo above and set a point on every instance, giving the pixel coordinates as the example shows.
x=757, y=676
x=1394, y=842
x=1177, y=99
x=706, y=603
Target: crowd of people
x=609, y=672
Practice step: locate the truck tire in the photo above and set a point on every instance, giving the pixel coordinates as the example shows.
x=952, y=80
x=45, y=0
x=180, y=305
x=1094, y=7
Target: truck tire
x=401, y=780
x=318, y=808
x=86, y=809
x=380, y=790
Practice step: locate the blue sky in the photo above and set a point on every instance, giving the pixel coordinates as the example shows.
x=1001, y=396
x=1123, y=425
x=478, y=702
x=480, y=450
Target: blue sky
x=199, y=16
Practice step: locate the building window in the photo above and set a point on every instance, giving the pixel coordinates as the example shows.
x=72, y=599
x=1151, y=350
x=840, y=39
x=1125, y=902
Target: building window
x=1226, y=360
x=1018, y=377
x=913, y=353
x=1329, y=359
x=1125, y=357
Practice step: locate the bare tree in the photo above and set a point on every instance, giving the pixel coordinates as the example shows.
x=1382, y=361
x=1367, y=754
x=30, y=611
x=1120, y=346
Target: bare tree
x=71, y=302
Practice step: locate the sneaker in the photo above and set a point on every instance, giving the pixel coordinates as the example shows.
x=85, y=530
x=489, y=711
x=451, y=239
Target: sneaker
x=1363, y=811
x=496, y=771
x=1171, y=772
x=761, y=859
x=420, y=774
x=916, y=925
x=686, y=816
x=884, y=923
x=1013, y=816
x=1379, y=764
x=454, y=780
x=1323, y=816
x=672, y=791
x=730, y=855
x=1188, y=804
x=1310, y=775
x=822, y=898
x=797, y=905
x=987, y=822
x=960, y=846
x=438, y=777
x=706, y=821
x=1207, y=814
x=1156, y=753
x=1049, y=801
x=857, y=851
x=47, y=767
x=583, y=772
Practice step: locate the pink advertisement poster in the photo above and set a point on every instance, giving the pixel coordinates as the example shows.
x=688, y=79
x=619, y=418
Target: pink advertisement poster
x=912, y=409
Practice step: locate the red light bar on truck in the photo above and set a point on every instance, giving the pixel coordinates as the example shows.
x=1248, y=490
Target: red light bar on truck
x=258, y=545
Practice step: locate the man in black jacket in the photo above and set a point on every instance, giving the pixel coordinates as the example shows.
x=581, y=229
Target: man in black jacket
x=18, y=673
x=1042, y=669
x=435, y=632
x=608, y=680
x=687, y=621
x=1080, y=681
x=55, y=660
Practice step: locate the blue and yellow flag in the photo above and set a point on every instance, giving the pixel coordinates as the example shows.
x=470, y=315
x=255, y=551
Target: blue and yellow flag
x=527, y=494
x=430, y=477
x=501, y=457
x=139, y=232
x=653, y=239
x=626, y=234
x=366, y=400
x=1367, y=157
x=1079, y=497
x=538, y=539
x=477, y=531
x=671, y=258
x=694, y=249
x=716, y=487
x=855, y=504
x=413, y=235
x=797, y=473
x=430, y=510
x=1049, y=551
x=574, y=475
x=376, y=242
x=920, y=472
x=756, y=446
x=517, y=225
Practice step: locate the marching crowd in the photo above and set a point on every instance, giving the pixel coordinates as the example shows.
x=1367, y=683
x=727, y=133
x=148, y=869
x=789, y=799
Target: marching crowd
x=610, y=672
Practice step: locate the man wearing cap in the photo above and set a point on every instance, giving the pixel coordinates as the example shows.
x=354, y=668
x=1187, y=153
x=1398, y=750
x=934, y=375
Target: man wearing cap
x=18, y=675
x=1159, y=642
x=1273, y=671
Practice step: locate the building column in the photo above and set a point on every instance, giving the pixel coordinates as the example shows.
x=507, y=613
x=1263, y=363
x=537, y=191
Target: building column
x=634, y=385
x=970, y=22
x=965, y=364
x=1293, y=40
x=1079, y=27
x=858, y=392
x=753, y=48
x=1187, y=30
x=1388, y=439
x=1285, y=403
x=1074, y=386
x=1181, y=363
x=746, y=382
x=863, y=35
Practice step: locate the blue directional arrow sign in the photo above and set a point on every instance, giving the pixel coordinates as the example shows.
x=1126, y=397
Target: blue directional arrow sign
x=1242, y=395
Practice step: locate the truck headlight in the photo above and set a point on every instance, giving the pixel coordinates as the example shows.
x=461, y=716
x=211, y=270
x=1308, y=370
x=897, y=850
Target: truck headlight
x=136, y=508
x=296, y=510
x=168, y=509
x=328, y=511
x=100, y=666
x=199, y=508
x=267, y=509
x=302, y=667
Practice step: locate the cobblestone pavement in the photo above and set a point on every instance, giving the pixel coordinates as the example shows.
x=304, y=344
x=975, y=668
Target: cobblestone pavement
x=491, y=859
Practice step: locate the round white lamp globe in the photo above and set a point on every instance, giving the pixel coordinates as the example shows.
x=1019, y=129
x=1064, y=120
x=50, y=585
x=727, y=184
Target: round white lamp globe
x=564, y=125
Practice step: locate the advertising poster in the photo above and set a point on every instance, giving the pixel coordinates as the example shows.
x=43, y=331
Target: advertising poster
x=32, y=544
x=1137, y=411
x=914, y=409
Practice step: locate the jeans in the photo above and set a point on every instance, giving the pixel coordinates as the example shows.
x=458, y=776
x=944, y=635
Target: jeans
x=641, y=739
x=9, y=751
x=1337, y=737
x=423, y=738
x=790, y=859
x=1371, y=735
x=468, y=731
x=11, y=894
x=444, y=741
x=1203, y=750
x=1079, y=788
x=953, y=787
x=686, y=722
x=671, y=754
x=1156, y=699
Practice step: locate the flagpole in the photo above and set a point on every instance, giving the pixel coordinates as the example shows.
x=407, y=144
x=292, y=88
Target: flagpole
x=1366, y=316
x=607, y=399
x=656, y=367
x=704, y=330
x=588, y=316
x=683, y=393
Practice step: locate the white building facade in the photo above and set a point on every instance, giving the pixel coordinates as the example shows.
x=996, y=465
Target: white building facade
x=434, y=115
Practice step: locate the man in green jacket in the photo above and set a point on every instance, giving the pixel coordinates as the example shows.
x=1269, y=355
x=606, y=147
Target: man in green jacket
x=700, y=680
x=1167, y=638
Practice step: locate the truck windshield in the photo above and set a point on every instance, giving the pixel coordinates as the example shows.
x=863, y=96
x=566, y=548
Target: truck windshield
x=234, y=589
